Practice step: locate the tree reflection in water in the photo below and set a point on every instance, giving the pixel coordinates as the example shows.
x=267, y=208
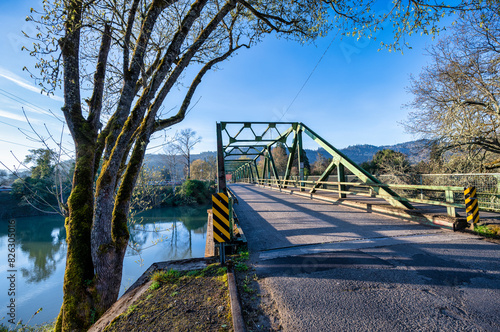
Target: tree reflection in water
x=171, y=228
x=42, y=239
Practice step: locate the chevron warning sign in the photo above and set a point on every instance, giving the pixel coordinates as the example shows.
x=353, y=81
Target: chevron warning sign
x=220, y=208
x=471, y=205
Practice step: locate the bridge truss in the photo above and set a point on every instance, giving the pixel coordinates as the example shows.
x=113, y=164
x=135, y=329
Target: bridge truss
x=240, y=145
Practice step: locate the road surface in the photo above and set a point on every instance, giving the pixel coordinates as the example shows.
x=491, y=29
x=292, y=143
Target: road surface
x=334, y=268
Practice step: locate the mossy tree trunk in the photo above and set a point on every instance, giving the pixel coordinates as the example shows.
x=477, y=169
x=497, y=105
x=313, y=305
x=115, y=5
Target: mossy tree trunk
x=152, y=63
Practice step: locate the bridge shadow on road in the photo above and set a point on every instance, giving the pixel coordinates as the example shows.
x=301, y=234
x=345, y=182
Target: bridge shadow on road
x=291, y=236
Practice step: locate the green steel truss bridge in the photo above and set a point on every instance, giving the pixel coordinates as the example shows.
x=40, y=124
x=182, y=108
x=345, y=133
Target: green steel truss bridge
x=246, y=152
x=241, y=144
x=302, y=248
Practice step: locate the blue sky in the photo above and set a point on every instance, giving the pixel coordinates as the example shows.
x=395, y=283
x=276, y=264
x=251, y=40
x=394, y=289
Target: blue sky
x=355, y=95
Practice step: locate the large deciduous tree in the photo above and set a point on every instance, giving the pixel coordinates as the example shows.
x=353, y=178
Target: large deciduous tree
x=456, y=98
x=117, y=61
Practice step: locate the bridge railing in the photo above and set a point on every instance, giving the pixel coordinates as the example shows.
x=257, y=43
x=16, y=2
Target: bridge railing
x=450, y=197
x=486, y=184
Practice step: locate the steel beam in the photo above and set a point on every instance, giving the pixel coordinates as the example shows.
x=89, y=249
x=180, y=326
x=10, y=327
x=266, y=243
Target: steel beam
x=363, y=175
x=221, y=172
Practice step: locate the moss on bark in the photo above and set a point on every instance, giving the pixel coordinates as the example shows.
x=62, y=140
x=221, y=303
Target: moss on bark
x=77, y=305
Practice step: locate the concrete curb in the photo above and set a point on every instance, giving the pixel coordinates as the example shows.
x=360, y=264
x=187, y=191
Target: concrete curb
x=236, y=312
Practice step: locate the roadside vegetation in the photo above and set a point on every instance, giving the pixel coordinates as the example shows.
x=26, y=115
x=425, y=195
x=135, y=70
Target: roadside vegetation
x=196, y=300
x=25, y=327
x=490, y=231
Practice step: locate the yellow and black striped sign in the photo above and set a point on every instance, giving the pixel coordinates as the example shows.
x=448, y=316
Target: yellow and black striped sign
x=220, y=208
x=471, y=205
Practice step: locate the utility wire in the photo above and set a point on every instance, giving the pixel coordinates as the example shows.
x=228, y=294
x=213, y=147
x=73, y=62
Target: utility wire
x=8, y=124
x=307, y=80
x=34, y=107
x=2, y=140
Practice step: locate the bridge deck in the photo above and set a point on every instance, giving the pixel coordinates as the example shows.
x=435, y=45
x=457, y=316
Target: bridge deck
x=486, y=217
x=330, y=267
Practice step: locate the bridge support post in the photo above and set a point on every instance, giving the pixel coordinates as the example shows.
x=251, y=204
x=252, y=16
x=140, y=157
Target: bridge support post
x=449, y=199
x=221, y=172
x=273, y=166
x=291, y=157
x=256, y=170
x=299, y=159
x=341, y=178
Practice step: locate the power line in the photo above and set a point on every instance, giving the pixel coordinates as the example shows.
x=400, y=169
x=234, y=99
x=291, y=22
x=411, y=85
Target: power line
x=27, y=103
x=2, y=140
x=22, y=101
x=307, y=80
x=8, y=124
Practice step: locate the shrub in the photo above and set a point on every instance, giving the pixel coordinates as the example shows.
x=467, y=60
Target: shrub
x=194, y=192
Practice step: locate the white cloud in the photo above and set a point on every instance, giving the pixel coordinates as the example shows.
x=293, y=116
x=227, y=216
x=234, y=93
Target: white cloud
x=23, y=83
x=11, y=116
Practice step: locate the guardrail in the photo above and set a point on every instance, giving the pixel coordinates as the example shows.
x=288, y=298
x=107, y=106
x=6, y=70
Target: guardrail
x=449, y=194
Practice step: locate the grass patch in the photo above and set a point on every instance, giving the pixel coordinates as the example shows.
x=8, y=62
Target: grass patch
x=492, y=231
x=131, y=308
x=170, y=276
x=173, y=277
x=154, y=286
x=196, y=300
x=242, y=255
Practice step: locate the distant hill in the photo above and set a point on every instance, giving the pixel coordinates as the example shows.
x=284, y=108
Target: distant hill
x=415, y=150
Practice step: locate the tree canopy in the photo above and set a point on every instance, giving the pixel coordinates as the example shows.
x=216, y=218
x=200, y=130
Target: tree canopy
x=456, y=97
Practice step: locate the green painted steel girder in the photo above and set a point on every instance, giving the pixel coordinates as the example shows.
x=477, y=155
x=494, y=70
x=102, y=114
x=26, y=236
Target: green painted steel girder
x=260, y=145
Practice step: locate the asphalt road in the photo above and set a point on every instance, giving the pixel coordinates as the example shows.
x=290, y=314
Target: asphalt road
x=333, y=268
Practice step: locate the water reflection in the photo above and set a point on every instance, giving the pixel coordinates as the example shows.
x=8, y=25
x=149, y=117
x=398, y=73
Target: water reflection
x=42, y=242
x=169, y=232
x=157, y=235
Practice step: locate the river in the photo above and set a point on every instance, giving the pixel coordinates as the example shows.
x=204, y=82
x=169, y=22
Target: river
x=157, y=235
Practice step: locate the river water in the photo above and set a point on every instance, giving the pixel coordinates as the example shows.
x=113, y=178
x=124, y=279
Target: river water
x=157, y=235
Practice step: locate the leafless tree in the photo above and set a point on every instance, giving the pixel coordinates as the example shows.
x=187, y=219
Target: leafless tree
x=456, y=102
x=184, y=142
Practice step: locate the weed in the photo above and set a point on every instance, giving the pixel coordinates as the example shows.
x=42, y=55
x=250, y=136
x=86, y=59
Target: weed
x=241, y=267
x=243, y=255
x=173, y=294
x=221, y=271
x=193, y=273
x=246, y=287
x=155, y=285
x=487, y=230
x=25, y=327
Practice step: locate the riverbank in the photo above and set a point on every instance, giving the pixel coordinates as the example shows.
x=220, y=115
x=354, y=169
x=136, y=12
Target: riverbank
x=193, y=295
x=157, y=235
